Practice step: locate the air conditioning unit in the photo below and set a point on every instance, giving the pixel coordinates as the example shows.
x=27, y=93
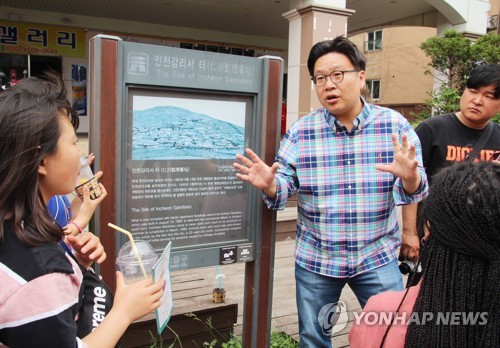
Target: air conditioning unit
x=492, y=22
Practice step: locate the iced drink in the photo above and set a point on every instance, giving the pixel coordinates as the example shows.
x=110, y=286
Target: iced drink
x=86, y=178
x=129, y=264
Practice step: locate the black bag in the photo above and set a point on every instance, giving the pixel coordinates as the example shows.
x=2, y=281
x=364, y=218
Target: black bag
x=95, y=299
x=95, y=302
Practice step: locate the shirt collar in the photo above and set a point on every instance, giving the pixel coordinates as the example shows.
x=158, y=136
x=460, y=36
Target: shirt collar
x=359, y=122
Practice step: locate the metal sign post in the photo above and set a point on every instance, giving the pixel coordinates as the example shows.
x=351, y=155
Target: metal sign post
x=166, y=125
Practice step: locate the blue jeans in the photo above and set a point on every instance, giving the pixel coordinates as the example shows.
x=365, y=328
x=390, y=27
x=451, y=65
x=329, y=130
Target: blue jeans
x=317, y=297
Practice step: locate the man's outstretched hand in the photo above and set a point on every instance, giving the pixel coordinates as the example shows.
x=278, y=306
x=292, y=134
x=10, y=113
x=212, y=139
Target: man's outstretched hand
x=254, y=171
x=404, y=165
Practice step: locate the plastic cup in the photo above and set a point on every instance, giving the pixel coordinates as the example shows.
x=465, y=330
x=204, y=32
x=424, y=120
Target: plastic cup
x=94, y=189
x=218, y=295
x=130, y=266
x=86, y=178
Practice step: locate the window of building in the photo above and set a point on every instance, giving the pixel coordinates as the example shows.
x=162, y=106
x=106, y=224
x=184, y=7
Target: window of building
x=373, y=89
x=374, y=41
x=14, y=67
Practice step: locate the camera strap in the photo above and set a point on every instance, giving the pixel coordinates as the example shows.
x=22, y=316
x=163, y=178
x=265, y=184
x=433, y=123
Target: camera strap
x=481, y=142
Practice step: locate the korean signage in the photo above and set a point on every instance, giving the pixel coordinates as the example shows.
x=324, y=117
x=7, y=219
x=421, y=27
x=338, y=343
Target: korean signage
x=188, y=114
x=180, y=180
x=181, y=118
x=42, y=39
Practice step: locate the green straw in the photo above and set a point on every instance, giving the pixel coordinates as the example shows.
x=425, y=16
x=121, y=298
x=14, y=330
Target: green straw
x=219, y=276
x=129, y=235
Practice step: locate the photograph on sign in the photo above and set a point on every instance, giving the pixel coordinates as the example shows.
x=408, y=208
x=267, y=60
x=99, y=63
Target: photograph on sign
x=182, y=128
x=181, y=186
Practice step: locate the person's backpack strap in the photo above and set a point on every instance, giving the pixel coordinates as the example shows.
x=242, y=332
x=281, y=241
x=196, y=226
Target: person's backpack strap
x=481, y=142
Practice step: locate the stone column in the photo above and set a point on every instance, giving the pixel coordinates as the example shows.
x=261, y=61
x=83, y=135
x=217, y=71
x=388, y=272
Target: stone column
x=308, y=25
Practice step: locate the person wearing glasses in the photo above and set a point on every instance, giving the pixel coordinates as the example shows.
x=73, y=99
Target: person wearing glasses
x=469, y=134
x=350, y=163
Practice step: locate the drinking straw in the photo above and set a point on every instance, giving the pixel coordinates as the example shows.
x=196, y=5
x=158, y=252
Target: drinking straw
x=218, y=277
x=129, y=235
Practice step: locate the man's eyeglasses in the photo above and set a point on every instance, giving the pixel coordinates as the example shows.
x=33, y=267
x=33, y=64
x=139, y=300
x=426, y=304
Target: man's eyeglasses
x=336, y=77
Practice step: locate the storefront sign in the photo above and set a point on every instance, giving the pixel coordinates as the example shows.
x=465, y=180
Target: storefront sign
x=42, y=39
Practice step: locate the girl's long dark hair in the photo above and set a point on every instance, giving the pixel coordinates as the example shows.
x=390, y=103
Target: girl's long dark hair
x=29, y=130
x=462, y=271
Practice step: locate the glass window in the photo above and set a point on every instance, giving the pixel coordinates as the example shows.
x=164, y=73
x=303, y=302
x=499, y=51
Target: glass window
x=373, y=89
x=14, y=67
x=374, y=41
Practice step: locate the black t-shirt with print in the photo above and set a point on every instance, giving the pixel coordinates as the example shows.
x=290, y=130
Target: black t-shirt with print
x=446, y=140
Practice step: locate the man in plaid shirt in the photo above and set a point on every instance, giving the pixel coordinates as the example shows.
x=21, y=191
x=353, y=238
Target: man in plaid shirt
x=351, y=163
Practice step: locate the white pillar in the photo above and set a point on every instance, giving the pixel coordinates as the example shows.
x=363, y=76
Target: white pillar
x=309, y=23
x=465, y=16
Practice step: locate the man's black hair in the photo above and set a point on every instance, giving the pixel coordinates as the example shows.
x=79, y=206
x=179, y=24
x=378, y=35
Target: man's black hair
x=340, y=45
x=485, y=75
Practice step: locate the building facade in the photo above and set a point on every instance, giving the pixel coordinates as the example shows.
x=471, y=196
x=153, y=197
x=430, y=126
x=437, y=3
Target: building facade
x=396, y=66
x=36, y=35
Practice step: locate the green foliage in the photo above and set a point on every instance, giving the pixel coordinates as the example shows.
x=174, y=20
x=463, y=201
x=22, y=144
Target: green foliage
x=277, y=340
x=453, y=56
x=450, y=55
x=217, y=339
x=441, y=101
x=281, y=340
x=446, y=100
x=487, y=49
x=154, y=342
x=159, y=343
x=234, y=342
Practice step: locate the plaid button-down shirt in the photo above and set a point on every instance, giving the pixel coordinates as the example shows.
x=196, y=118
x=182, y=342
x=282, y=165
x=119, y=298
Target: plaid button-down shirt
x=347, y=222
